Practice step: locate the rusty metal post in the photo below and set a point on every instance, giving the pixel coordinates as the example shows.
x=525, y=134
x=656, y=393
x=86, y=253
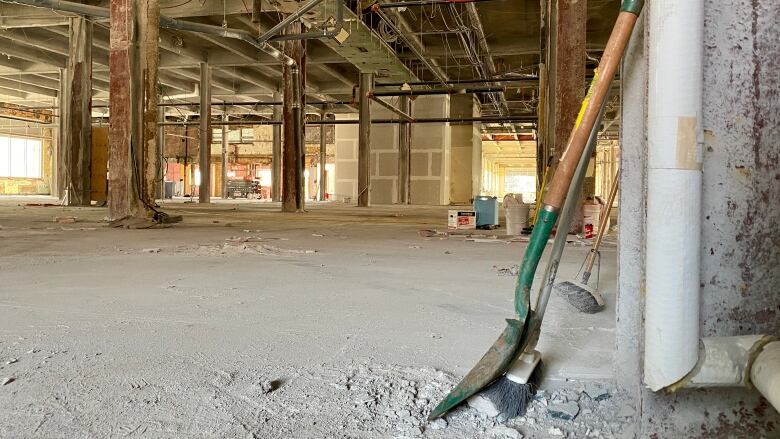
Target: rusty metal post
x=404, y=152
x=78, y=145
x=364, y=139
x=160, y=152
x=204, y=192
x=276, y=152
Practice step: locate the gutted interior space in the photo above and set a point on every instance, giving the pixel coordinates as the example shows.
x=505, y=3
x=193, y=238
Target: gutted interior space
x=389, y=219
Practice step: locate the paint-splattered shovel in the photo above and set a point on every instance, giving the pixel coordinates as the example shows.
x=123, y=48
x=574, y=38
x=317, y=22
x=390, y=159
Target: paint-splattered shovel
x=498, y=358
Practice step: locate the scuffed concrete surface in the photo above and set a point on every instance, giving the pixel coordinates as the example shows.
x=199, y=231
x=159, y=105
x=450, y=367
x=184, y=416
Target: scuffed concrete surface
x=245, y=322
x=741, y=233
x=741, y=217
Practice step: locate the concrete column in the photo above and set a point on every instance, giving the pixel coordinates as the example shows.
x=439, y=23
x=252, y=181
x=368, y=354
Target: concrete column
x=129, y=137
x=276, y=160
x=78, y=140
x=404, y=152
x=323, y=158
x=224, y=188
x=149, y=60
x=294, y=148
x=565, y=78
x=60, y=166
x=160, y=150
x=364, y=139
x=204, y=193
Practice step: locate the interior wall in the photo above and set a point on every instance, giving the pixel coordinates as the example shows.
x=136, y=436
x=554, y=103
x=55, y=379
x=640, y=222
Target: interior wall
x=740, y=221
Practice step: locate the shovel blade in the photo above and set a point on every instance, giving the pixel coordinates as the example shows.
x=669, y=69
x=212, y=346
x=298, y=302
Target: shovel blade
x=491, y=366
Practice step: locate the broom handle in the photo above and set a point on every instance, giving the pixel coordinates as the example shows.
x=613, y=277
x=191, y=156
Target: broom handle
x=603, y=220
x=559, y=185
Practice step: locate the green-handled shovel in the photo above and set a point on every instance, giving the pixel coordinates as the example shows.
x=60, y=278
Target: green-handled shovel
x=495, y=362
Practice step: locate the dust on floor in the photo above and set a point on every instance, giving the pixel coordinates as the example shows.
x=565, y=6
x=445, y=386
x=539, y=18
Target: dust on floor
x=244, y=322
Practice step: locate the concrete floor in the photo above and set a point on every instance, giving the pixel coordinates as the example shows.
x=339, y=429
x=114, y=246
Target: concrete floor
x=178, y=332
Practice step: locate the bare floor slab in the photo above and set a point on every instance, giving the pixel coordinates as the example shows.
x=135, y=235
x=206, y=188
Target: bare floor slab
x=245, y=322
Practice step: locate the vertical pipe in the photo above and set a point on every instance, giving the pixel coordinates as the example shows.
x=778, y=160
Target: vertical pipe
x=674, y=182
x=224, y=188
x=276, y=157
x=204, y=192
x=323, y=158
x=364, y=139
x=404, y=152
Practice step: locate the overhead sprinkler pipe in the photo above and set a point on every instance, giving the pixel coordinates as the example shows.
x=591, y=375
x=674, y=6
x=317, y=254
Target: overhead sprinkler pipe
x=290, y=19
x=674, y=187
x=407, y=4
x=435, y=91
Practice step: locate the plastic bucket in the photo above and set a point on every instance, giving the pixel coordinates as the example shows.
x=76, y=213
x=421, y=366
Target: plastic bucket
x=516, y=219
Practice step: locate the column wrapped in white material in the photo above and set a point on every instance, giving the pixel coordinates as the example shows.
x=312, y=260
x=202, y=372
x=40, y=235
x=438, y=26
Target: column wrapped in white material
x=673, y=191
x=765, y=373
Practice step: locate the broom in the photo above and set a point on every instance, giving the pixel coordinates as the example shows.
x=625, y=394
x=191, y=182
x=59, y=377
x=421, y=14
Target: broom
x=580, y=295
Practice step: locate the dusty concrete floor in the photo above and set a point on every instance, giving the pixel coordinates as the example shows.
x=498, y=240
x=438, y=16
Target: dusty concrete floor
x=182, y=332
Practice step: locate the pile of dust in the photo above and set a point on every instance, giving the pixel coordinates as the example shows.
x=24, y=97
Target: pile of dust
x=56, y=392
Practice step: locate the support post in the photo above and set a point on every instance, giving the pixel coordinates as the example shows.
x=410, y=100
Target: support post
x=276, y=157
x=124, y=143
x=364, y=139
x=62, y=132
x=204, y=192
x=160, y=163
x=78, y=145
x=404, y=152
x=224, y=188
x=293, y=124
x=323, y=158
x=149, y=60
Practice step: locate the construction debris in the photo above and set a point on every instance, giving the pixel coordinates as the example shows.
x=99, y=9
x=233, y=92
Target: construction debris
x=65, y=219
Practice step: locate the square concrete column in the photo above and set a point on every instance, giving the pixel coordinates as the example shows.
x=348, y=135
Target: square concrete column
x=204, y=193
x=78, y=129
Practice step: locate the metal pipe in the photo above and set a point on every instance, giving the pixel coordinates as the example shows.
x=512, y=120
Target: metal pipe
x=426, y=62
x=531, y=81
x=406, y=4
x=456, y=120
x=276, y=154
x=436, y=91
x=674, y=136
x=765, y=373
x=289, y=19
x=401, y=113
x=64, y=6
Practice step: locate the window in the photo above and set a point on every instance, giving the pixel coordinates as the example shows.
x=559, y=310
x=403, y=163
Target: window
x=20, y=157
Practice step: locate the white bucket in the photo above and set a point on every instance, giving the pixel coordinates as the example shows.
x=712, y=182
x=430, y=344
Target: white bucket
x=516, y=219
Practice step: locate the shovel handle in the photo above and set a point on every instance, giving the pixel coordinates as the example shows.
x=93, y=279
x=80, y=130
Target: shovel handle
x=610, y=61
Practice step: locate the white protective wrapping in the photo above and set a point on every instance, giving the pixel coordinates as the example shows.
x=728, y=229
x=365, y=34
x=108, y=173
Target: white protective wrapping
x=673, y=191
x=765, y=373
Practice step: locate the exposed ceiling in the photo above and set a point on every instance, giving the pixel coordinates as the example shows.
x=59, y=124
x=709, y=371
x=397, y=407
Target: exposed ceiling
x=34, y=47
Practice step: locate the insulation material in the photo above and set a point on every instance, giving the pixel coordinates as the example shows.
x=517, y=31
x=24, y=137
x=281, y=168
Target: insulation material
x=672, y=291
x=765, y=373
x=673, y=191
x=725, y=361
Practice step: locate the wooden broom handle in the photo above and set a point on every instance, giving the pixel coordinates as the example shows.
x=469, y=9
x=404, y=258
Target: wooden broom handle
x=603, y=220
x=618, y=40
